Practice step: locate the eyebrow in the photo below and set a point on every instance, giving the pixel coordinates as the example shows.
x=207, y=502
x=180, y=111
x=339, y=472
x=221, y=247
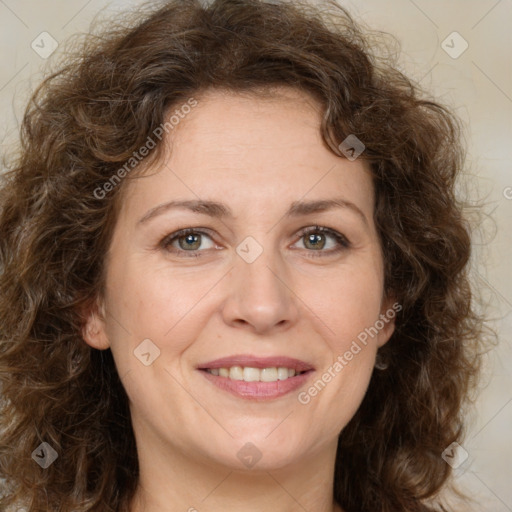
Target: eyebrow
x=221, y=210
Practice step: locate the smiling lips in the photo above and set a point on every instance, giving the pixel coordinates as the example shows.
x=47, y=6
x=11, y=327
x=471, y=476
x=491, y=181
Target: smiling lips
x=257, y=378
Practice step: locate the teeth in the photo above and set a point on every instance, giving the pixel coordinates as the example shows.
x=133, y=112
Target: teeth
x=282, y=373
x=236, y=373
x=249, y=374
x=268, y=374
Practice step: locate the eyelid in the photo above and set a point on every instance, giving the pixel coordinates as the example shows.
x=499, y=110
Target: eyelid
x=167, y=240
x=343, y=242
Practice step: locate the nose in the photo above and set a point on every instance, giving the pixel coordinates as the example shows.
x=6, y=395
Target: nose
x=260, y=296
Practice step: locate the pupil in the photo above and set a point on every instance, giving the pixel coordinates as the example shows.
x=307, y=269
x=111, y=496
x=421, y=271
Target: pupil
x=315, y=240
x=191, y=240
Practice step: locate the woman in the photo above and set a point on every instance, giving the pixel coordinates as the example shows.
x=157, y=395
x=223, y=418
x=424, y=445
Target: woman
x=234, y=273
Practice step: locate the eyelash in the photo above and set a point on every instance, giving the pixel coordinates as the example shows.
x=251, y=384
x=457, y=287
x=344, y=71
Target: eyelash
x=340, y=239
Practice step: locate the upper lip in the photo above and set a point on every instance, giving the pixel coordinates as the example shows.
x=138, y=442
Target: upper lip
x=257, y=362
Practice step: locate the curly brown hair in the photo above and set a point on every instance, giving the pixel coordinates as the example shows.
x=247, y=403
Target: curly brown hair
x=85, y=121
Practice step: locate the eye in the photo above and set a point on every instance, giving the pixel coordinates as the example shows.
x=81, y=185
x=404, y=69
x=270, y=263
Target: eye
x=188, y=240
x=316, y=239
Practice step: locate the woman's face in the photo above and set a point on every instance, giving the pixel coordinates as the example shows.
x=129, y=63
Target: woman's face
x=254, y=285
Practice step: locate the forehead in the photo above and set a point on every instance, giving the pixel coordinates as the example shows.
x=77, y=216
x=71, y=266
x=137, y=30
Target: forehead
x=252, y=146
x=281, y=117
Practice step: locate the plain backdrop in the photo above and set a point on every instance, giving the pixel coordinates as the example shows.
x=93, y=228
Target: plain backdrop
x=459, y=50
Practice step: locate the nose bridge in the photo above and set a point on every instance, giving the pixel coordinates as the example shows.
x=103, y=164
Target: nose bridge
x=259, y=295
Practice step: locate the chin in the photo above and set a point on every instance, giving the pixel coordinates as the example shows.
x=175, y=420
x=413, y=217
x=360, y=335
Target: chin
x=257, y=451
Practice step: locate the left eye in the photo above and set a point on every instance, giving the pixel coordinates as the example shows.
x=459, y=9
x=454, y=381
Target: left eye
x=190, y=241
x=314, y=238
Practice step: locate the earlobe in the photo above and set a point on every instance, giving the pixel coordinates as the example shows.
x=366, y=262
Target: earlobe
x=389, y=311
x=93, y=331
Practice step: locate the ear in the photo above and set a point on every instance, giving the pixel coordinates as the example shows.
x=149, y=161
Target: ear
x=94, y=329
x=389, y=310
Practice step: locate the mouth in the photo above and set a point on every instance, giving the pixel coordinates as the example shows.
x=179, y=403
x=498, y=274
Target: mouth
x=257, y=378
x=251, y=374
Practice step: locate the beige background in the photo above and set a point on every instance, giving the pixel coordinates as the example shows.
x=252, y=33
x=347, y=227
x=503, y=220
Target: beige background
x=477, y=84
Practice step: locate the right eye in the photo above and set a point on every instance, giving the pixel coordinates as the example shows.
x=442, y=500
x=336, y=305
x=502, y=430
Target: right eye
x=189, y=241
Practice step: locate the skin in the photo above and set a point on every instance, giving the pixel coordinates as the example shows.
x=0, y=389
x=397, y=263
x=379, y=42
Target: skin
x=257, y=155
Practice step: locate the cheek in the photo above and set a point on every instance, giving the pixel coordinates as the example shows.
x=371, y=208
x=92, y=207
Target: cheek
x=149, y=303
x=351, y=310
x=349, y=303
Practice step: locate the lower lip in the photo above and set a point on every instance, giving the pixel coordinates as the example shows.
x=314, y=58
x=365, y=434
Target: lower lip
x=258, y=390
